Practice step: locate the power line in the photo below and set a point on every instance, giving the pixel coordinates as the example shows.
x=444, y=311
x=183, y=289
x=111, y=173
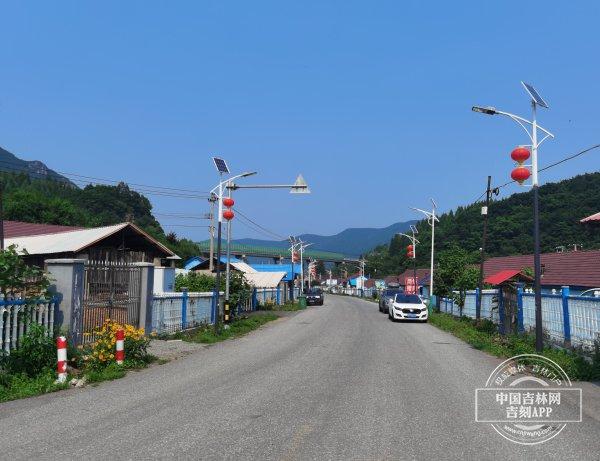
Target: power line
x=184, y=225
x=566, y=159
x=154, y=190
x=181, y=216
x=272, y=233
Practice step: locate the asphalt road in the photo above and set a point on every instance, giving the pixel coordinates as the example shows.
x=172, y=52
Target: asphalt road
x=334, y=382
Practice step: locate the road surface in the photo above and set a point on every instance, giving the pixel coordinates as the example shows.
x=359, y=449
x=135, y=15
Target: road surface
x=334, y=382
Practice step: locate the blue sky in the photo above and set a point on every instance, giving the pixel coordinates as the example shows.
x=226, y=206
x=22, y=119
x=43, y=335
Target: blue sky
x=370, y=101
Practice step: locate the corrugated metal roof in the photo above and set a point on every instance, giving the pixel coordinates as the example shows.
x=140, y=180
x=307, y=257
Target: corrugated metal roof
x=279, y=268
x=264, y=279
x=21, y=229
x=74, y=241
x=243, y=267
x=594, y=217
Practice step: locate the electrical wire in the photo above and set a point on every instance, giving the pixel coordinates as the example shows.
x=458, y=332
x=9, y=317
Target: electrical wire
x=547, y=167
x=143, y=189
x=273, y=234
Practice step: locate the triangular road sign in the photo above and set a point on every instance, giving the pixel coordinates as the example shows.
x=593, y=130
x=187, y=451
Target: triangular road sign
x=300, y=186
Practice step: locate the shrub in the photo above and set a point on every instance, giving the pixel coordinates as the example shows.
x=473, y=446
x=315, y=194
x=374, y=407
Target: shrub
x=36, y=354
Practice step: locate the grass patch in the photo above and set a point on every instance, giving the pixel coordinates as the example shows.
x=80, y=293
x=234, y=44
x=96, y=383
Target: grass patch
x=485, y=338
x=239, y=327
x=288, y=307
x=110, y=372
x=20, y=386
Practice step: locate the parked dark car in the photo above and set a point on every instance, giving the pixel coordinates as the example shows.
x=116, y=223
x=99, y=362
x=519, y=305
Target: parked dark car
x=315, y=296
x=387, y=295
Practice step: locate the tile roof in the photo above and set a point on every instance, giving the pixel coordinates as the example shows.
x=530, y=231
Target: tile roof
x=23, y=229
x=576, y=268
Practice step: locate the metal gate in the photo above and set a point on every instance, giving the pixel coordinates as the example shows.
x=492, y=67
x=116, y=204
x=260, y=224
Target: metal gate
x=111, y=291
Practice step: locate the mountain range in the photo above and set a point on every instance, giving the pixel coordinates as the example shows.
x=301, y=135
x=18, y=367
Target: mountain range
x=35, y=169
x=351, y=242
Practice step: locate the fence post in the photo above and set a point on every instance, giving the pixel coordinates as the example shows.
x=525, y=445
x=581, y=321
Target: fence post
x=146, y=296
x=566, y=319
x=184, y=302
x=254, y=299
x=520, y=325
x=501, y=319
x=477, y=298
x=278, y=295
x=67, y=287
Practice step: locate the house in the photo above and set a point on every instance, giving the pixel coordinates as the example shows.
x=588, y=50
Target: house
x=580, y=270
x=124, y=242
x=422, y=277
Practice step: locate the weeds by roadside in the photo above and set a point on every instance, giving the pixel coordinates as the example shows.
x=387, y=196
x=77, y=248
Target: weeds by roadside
x=31, y=369
x=288, y=307
x=238, y=327
x=483, y=336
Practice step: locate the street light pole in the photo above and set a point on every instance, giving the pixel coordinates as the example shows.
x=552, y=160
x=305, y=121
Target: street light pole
x=431, y=219
x=536, y=100
x=218, y=275
x=303, y=246
x=219, y=191
x=228, y=267
x=413, y=241
x=537, y=265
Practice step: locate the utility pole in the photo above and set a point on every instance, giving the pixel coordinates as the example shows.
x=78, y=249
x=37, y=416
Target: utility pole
x=484, y=212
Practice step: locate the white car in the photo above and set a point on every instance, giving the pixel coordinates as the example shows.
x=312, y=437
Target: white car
x=408, y=307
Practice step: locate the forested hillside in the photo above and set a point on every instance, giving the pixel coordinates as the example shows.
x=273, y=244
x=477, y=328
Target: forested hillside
x=54, y=202
x=562, y=205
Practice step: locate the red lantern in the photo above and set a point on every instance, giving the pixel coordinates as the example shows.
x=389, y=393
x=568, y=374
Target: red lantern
x=520, y=174
x=296, y=257
x=409, y=248
x=410, y=255
x=228, y=202
x=228, y=215
x=520, y=154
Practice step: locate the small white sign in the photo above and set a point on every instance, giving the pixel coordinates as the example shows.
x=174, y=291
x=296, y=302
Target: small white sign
x=484, y=210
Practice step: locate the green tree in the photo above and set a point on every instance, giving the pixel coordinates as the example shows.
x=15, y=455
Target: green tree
x=19, y=279
x=456, y=272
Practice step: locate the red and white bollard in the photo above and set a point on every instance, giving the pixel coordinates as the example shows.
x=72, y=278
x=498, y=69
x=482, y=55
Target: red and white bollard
x=61, y=347
x=120, y=352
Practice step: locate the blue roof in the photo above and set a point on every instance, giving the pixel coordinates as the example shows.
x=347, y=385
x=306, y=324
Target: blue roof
x=287, y=268
x=194, y=261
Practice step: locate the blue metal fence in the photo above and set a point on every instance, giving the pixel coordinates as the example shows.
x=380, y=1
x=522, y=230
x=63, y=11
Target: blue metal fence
x=173, y=312
x=572, y=320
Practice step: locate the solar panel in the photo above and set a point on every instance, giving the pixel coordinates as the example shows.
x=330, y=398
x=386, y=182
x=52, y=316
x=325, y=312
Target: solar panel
x=535, y=95
x=221, y=165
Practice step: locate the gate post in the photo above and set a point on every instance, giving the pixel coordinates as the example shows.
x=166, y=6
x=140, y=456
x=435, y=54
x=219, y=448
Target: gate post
x=67, y=287
x=146, y=296
x=520, y=326
x=566, y=291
